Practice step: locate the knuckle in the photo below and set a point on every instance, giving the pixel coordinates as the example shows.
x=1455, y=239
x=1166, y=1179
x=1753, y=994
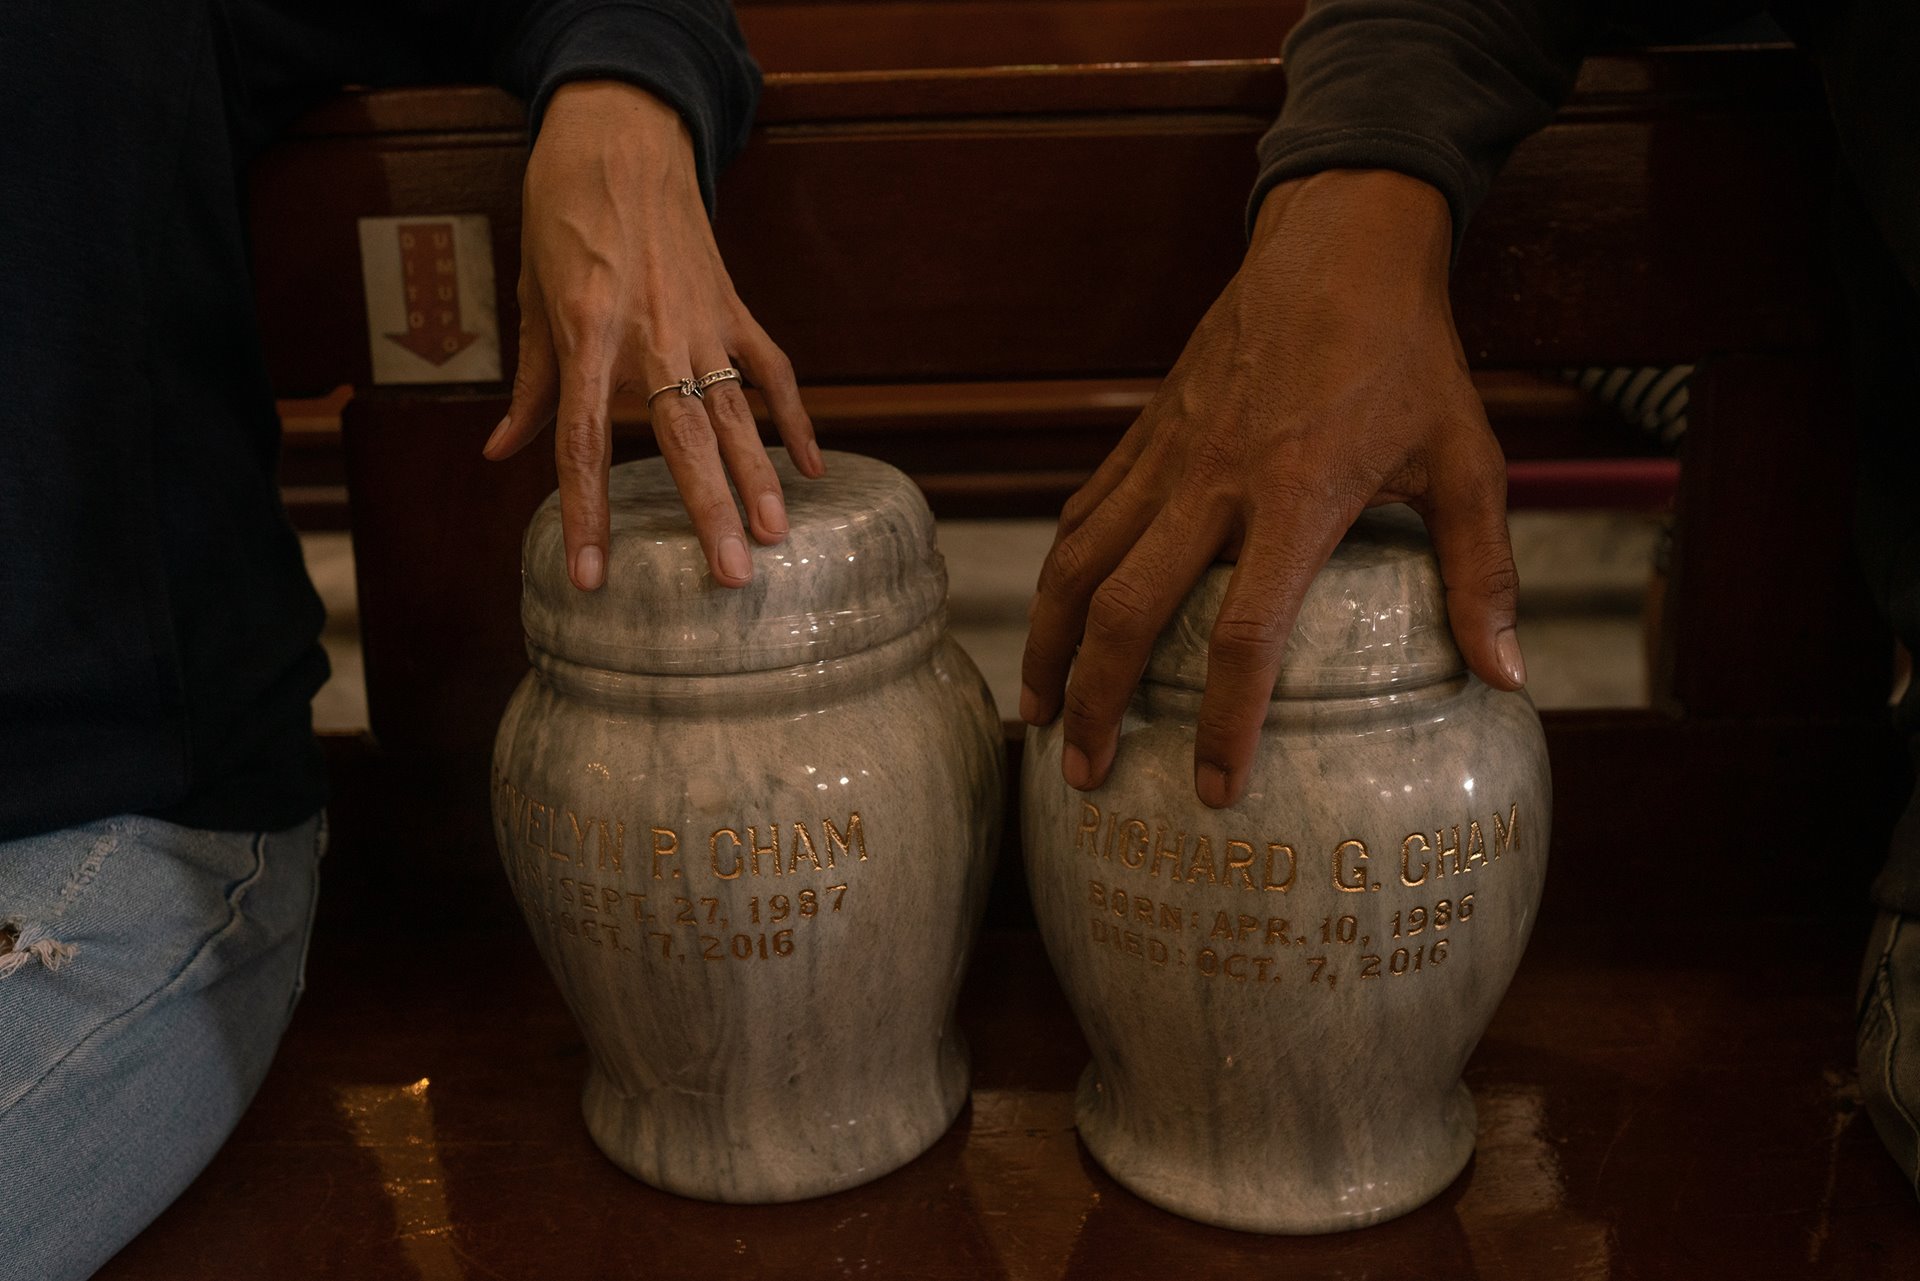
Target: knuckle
x=682, y=428
x=715, y=513
x=1039, y=663
x=1118, y=614
x=1242, y=646
x=1214, y=733
x=774, y=361
x=582, y=446
x=1067, y=568
x=1076, y=510
x=1500, y=581
x=1482, y=489
x=1081, y=707
x=729, y=404
x=1477, y=473
x=524, y=389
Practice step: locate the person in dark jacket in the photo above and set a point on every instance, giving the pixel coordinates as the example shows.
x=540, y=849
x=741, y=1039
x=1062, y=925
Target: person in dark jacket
x=160, y=788
x=1328, y=377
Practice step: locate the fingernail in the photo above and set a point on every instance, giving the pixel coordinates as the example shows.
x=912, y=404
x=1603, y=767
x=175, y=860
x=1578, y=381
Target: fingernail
x=498, y=432
x=734, y=560
x=1030, y=706
x=813, y=457
x=587, y=565
x=773, y=513
x=1506, y=646
x=1074, y=767
x=1210, y=784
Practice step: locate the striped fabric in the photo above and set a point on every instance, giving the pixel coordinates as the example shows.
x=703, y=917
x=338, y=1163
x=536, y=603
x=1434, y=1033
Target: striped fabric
x=1652, y=399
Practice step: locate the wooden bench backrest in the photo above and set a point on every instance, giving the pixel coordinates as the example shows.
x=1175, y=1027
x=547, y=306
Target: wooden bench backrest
x=978, y=274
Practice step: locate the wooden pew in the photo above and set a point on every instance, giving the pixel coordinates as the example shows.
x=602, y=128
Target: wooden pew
x=978, y=275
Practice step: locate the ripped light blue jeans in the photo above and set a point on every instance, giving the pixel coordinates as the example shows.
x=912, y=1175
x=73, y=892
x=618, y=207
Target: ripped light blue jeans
x=146, y=974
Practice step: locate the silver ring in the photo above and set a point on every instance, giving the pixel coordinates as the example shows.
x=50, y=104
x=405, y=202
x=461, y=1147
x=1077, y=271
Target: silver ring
x=686, y=387
x=704, y=381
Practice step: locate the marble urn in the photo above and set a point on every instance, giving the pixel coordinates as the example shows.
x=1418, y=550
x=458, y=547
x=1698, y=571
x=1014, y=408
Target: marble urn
x=751, y=831
x=1280, y=996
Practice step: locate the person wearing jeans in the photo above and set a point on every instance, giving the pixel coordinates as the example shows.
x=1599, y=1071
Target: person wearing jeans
x=160, y=786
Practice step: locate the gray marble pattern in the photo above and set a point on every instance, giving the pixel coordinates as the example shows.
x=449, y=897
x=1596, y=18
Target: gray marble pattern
x=761, y=1025
x=1280, y=996
x=857, y=568
x=1375, y=618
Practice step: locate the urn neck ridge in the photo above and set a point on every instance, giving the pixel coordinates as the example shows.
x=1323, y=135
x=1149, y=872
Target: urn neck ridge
x=1373, y=623
x=754, y=690
x=857, y=569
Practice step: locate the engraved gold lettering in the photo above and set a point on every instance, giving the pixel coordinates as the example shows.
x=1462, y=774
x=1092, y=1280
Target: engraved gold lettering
x=856, y=837
x=802, y=837
x=1279, y=887
x=713, y=854
x=1350, y=877
x=613, y=844
x=1222, y=927
x=1134, y=854
x=756, y=850
x=1089, y=832
x=1203, y=861
x=1476, y=845
x=539, y=833
x=1446, y=847
x=1506, y=835
x=1161, y=854
x=1406, y=859
x=666, y=845
x=1242, y=861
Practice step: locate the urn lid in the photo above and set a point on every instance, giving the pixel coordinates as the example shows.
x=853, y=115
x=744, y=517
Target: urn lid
x=1375, y=620
x=857, y=568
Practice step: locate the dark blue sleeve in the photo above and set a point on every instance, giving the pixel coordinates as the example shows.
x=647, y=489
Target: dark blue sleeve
x=688, y=53
x=282, y=56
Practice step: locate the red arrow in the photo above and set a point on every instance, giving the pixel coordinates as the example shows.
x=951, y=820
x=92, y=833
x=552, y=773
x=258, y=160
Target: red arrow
x=431, y=280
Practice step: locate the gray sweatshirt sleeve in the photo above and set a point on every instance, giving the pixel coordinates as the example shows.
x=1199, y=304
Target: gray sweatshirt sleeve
x=1440, y=90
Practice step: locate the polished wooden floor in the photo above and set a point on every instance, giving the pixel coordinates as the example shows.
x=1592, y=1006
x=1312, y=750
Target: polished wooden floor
x=1677, y=1103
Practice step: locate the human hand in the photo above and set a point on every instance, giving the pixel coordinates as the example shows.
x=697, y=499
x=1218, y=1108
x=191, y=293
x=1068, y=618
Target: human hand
x=622, y=290
x=1327, y=378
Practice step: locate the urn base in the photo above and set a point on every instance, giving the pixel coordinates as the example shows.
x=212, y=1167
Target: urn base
x=1280, y=1191
x=705, y=1145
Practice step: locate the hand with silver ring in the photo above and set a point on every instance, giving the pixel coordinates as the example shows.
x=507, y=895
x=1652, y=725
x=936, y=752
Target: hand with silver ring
x=622, y=290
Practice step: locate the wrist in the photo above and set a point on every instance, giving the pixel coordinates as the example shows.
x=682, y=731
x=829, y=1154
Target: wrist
x=1388, y=219
x=615, y=104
